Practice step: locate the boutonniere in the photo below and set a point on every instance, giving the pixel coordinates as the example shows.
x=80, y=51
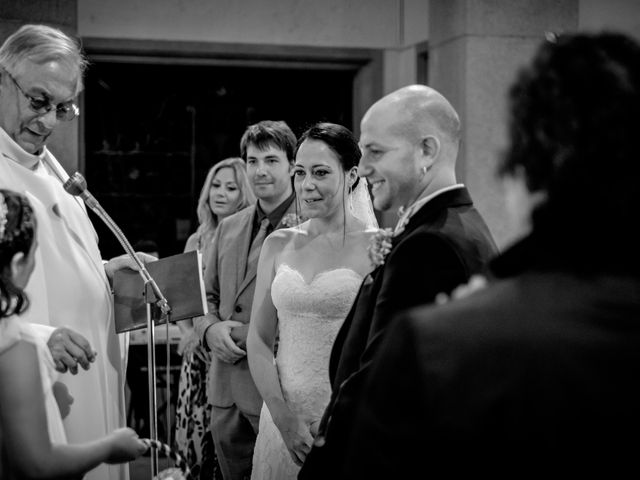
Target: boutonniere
x=291, y=220
x=380, y=246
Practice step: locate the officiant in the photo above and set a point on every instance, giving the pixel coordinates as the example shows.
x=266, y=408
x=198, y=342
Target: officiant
x=41, y=72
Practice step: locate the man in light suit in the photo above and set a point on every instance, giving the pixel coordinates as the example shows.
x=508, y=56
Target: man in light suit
x=409, y=141
x=230, y=278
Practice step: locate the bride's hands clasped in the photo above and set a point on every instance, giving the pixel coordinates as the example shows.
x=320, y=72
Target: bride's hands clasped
x=295, y=431
x=221, y=344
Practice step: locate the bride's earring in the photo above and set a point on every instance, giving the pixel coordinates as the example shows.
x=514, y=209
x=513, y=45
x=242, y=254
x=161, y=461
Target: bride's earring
x=350, y=196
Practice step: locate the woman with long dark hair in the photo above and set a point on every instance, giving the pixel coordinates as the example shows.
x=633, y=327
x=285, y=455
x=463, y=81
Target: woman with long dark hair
x=308, y=277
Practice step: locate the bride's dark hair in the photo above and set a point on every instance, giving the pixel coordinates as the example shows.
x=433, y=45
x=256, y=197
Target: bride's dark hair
x=17, y=231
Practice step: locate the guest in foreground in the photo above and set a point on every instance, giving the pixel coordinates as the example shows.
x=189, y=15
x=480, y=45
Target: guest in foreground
x=409, y=141
x=226, y=190
x=31, y=444
x=534, y=375
x=308, y=277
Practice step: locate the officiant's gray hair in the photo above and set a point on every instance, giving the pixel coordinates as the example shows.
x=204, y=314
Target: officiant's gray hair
x=40, y=44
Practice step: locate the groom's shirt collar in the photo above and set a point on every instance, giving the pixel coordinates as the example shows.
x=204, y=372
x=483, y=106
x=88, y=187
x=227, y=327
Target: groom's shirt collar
x=411, y=210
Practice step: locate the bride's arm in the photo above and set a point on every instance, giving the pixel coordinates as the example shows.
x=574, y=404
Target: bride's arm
x=263, y=329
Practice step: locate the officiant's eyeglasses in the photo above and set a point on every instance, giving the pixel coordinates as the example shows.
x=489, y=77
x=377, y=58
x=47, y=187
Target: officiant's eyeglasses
x=41, y=105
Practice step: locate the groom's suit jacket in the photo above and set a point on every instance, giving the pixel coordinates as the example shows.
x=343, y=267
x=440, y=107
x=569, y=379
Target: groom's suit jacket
x=230, y=283
x=444, y=243
x=531, y=377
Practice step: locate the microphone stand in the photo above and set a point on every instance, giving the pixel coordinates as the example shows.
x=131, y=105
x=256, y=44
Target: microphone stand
x=76, y=185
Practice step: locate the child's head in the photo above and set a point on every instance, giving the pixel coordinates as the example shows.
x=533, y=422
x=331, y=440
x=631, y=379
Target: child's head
x=17, y=249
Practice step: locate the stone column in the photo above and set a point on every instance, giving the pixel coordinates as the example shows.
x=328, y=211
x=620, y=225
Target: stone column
x=475, y=50
x=62, y=14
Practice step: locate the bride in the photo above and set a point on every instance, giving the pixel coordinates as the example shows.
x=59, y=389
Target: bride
x=308, y=278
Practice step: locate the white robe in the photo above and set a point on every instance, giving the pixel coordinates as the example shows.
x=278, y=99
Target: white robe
x=69, y=288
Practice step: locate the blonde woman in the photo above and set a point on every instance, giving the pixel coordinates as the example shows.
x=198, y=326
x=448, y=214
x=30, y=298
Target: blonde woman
x=226, y=190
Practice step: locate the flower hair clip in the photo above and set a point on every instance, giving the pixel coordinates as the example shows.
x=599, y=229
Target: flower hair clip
x=4, y=210
x=380, y=246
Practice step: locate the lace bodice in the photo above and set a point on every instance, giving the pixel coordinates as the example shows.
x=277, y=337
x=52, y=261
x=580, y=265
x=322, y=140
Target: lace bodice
x=309, y=317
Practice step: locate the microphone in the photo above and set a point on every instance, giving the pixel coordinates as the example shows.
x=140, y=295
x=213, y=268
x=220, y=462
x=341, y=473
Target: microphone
x=76, y=185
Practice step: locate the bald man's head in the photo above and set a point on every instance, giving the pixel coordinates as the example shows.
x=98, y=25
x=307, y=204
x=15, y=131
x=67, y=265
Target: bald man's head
x=409, y=140
x=419, y=110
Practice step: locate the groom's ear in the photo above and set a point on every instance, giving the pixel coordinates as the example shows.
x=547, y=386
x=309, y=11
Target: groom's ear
x=429, y=151
x=430, y=146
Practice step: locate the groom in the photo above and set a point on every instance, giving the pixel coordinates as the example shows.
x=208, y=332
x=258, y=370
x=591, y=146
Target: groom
x=230, y=280
x=409, y=141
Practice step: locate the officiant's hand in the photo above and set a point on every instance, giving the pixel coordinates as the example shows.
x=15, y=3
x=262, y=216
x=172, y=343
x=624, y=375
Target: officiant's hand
x=219, y=340
x=125, y=261
x=68, y=349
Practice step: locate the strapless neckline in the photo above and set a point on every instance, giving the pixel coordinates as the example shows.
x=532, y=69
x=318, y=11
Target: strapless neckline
x=309, y=317
x=319, y=274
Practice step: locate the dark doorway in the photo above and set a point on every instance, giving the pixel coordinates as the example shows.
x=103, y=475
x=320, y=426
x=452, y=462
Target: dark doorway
x=153, y=130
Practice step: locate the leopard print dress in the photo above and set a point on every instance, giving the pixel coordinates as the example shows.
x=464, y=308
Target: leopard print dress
x=193, y=413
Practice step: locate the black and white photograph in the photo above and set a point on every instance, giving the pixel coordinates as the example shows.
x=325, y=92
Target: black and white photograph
x=312, y=240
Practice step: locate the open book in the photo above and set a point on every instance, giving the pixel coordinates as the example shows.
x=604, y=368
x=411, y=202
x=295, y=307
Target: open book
x=179, y=278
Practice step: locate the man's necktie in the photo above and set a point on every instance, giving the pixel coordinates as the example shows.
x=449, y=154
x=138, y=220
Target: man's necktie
x=254, y=250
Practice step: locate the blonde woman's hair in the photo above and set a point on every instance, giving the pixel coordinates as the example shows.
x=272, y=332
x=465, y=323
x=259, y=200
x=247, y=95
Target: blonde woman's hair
x=208, y=220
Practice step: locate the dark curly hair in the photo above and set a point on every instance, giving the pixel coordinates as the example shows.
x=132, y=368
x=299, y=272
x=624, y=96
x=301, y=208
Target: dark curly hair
x=574, y=129
x=17, y=237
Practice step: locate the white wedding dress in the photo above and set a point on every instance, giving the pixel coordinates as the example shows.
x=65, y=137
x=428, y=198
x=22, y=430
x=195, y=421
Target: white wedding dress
x=309, y=317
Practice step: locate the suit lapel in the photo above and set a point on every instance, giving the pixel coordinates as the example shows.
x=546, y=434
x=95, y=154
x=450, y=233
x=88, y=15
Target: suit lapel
x=244, y=242
x=363, y=307
x=252, y=270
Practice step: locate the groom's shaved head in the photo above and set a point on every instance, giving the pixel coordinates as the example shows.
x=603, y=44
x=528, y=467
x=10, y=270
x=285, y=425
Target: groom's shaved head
x=410, y=141
x=419, y=111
